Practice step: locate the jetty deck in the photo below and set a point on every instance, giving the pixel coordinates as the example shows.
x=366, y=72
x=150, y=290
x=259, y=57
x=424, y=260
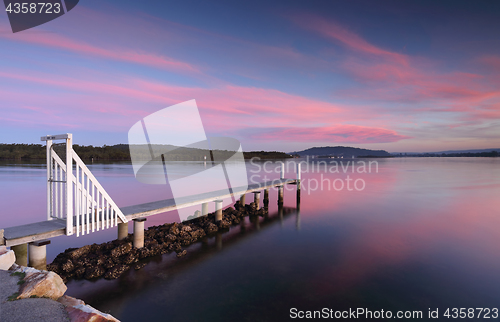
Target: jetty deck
x=37, y=231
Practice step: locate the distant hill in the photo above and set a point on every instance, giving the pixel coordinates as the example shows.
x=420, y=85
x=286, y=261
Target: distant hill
x=448, y=152
x=342, y=151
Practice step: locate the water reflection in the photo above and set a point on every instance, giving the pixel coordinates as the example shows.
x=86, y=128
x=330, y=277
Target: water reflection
x=115, y=294
x=422, y=234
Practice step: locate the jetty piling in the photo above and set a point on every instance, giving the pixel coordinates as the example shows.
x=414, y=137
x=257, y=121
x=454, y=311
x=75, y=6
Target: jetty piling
x=38, y=254
x=204, y=209
x=122, y=230
x=256, y=199
x=139, y=232
x=218, y=210
x=21, y=252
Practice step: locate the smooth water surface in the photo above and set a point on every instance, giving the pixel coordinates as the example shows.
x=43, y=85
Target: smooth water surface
x=423, y=233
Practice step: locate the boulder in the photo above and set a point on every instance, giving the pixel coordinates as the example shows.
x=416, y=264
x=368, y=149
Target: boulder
x=211, y=228
x=116, y=271
x=78, y=311
x=38, y=283
x=79, y=252
x=174, y=230
x=121, y=250
x=7, y=258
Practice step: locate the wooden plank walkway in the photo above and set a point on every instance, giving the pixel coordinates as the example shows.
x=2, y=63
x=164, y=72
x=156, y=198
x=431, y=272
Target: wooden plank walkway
x=52, y=228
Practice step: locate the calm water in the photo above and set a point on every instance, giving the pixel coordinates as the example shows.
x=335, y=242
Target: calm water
x=423, y=233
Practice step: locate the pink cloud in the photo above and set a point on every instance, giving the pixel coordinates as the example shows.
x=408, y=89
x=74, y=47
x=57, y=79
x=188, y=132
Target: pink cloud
x=335, y=31
x=117, y=103
x=394, y=77
x=336, y=134
x=118, y=54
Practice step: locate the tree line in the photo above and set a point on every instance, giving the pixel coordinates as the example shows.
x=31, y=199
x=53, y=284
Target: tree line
x=119, y=152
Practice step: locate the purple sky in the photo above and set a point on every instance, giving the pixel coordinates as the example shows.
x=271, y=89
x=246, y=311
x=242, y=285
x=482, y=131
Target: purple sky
x=392, y=75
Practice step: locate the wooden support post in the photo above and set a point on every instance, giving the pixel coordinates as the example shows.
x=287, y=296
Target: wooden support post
x=282, y=175
x=218, y=210
x=204, y=209
x=139, y=232
x=242, y=199
x=298, y=200
x=2, y=241
x=297, y=221
x=38, y=254
x=122, y=230
x=298, y=177
x=21, y=252
x=256, y=199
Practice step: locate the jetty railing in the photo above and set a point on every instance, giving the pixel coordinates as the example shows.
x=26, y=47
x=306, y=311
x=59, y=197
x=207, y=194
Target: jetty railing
x=74, y=194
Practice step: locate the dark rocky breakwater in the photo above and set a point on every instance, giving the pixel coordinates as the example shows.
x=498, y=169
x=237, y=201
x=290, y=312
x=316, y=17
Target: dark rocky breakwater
x=112, y=259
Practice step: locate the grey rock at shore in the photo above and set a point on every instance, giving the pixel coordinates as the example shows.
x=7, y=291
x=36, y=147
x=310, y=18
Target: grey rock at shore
x=28, y=281
x=35, y=309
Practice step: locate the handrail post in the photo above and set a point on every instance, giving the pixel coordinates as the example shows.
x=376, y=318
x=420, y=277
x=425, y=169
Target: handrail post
x=69, y=185
x=49, y=184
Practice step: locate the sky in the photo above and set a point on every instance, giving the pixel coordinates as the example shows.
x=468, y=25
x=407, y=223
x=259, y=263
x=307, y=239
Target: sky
x=417, y=76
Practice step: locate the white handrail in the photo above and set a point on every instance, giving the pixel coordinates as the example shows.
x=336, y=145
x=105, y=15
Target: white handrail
x=74, y=192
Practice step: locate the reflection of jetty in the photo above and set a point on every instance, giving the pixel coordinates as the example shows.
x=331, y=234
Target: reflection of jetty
x=77, y=203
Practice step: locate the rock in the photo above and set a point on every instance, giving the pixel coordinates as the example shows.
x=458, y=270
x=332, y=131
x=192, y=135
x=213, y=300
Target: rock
x=116, y=272
x=182, y=253
x=130, y=258
x=224, y=224
x=211, y=228
x=78, y=311
x=174, y=230
x=184, y=235
x=7, y=258
x=39, y=283
x=121, y=250
x=138, y=266
x=70, y=301
x=170, y=237
x=93, y=272
x=68, y=266
x=79, y=252
x=79, y=272
x=109, y=263
x=186, y=228
x=198, y=233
